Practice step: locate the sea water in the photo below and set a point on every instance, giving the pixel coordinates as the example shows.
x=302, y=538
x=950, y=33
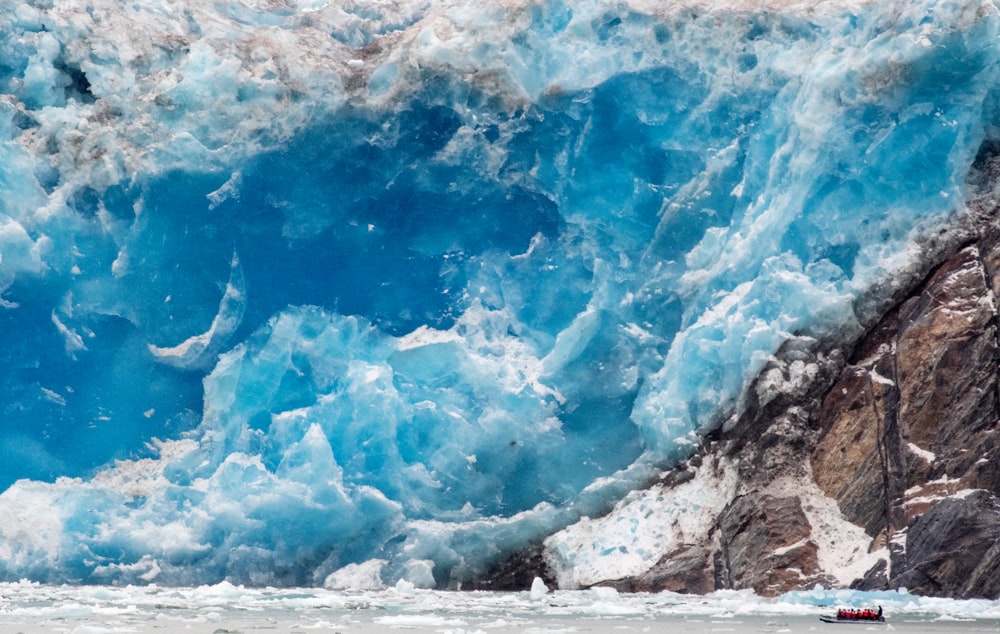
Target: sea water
x=227, y=609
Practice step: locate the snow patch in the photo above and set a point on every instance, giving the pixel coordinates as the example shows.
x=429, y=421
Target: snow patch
x=642, y=528
x=842, y=547
x=923, y=454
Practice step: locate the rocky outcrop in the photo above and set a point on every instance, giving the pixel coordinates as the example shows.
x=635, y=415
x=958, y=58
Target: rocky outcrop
x=899, y=425
x=912, y=423
x=765, y=545
x=953, y=549
x=688, y=569
x=905, y=437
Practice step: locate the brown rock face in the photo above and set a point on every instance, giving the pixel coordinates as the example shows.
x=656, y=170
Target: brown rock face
x=688, y=569
x=850, y=461
x=910, y=411
x=922, y=406
x=954, y=549
x=946, y=358
x=911, y=426
x=765, y=545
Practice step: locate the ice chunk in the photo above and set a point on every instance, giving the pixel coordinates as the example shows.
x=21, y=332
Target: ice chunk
x=538, y=589
x=363, y=576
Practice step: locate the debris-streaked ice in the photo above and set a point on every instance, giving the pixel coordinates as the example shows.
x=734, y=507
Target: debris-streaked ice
x=367, y=293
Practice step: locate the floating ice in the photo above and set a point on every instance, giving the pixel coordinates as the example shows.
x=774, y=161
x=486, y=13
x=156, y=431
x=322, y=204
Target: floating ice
x=538, y=589
x=497, y=262
x=152, y=608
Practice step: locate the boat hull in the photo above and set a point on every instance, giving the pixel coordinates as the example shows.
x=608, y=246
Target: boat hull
x=833, y=619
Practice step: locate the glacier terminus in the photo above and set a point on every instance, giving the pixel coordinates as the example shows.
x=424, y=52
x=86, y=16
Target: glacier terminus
x=351, y=293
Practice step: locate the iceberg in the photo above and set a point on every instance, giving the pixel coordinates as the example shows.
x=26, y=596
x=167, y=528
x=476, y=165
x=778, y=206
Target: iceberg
x=307, y=292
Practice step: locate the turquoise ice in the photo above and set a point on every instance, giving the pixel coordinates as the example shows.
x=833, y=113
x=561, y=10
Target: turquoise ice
x=410, y=286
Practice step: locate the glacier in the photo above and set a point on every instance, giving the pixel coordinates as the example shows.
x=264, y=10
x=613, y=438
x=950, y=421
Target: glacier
x=297, y=288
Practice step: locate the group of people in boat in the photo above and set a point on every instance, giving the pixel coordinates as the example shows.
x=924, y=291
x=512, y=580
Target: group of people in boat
x=861, y=615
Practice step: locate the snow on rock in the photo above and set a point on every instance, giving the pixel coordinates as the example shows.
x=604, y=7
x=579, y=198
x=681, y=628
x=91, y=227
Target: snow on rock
x=923, y=454
x=843, y=547
x=641, y=529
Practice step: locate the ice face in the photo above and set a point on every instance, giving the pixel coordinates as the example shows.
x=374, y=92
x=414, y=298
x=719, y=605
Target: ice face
x=293, y=288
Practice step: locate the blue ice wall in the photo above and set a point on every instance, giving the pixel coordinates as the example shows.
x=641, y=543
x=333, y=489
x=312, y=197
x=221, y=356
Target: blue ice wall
x=287, y=289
